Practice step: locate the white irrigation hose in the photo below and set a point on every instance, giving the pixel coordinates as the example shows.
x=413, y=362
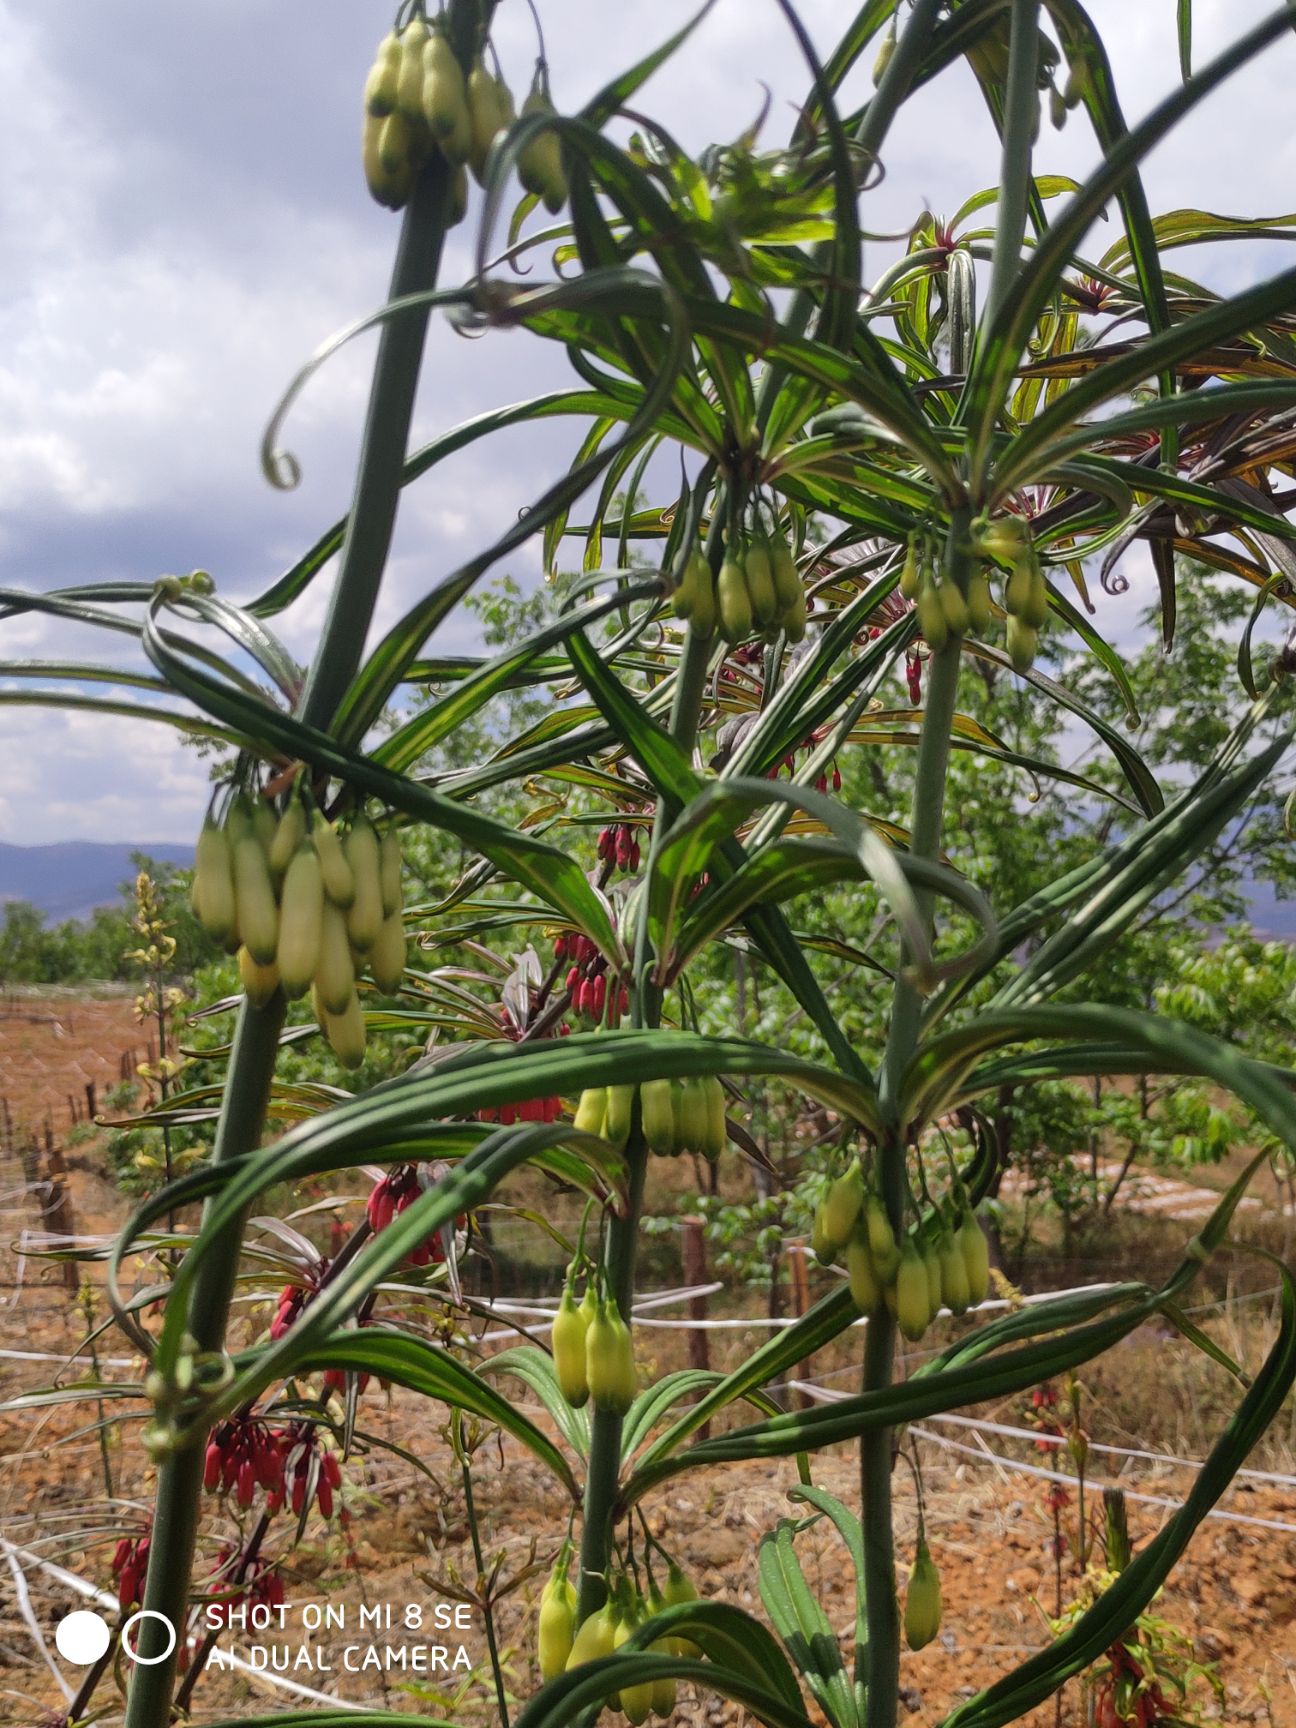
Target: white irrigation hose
x=983, y=1454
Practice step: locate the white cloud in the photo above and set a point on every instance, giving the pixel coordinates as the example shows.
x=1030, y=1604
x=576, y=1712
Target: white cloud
x=183, y=220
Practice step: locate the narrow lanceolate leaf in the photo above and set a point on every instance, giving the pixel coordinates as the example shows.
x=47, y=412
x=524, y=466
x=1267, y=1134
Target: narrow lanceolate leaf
x=534, y=1368
x=941, y=1070
x=385, y=1122
x=412, y=1362
x=803, y=1626
x=1009, y=1699
x=560, y=1703
x=548, y=872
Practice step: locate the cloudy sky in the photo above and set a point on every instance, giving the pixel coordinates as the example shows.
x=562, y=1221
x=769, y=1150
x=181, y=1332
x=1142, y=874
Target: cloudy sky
x=183, y=220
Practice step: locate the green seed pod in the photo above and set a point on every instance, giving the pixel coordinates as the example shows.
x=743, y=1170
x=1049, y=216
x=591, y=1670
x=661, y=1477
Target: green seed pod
x=1003, y=539
x=760, y=584
x=1022, y=643
x=346, y=1033
x=254, y=898
x=620, y=1110
x=290, y=831
x=533, y=162
x=409, y=84
x=594, y=1638
x=954, y=1279
x=789, y=590
x=337, y=875
x=384, y=76
x=881, y=1238
x=955, y=608
x=842, y=1206
x=301, y=920
x=976, y=1258
x=259, y=982
x=717, y=1130
x=591, y=1110
x=556, y=1628
x=264, y=823
x=365, y=914
x=395, y=145
x=1017, y=589
x=568, y=1341
x=978, y=602
x=213, y=883
x=911, y=572
x=702, y=620
x=664, y=1692
x=912, y=1310
x=931, y=617
x=1035, y=611
x=657, y=1111
x=930, y=1251
x=389, y=187
x=922, y=1610
x=485, y=116
x=334, y=972
x=680, y=1588
x=458, y=195
x=691, y=1116
x=445, y=101
x=238, y=819
x=388, y=954
x=637, y=1700
x=684, y=593
x=865, y=1286
x=794, y=619
x=733, y=601
x=821, y=1243
x=609, y=1360
x=389, y=871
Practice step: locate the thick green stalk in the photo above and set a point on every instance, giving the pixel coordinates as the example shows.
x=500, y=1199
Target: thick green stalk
x=179, y=1486
x=902, y=1038
x=603, y=1476
x=1021, y=122
x=256, y=1040
x=604, y=1471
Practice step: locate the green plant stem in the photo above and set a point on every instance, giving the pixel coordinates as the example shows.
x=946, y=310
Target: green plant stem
x=179, y=1488
x=604, y=1471
x=488, y=1610
x=256, y=1040
x=603, y=1476
x=880, y=1664
x=1021, y=120
x=902, y=1038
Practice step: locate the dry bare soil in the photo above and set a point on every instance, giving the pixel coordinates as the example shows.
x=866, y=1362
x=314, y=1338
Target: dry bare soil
x=406, y=1540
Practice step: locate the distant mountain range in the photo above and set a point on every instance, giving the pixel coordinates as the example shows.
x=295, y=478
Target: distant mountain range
x=71, y=878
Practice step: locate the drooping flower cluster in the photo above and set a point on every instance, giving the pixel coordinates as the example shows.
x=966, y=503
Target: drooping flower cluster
x=245, y=1454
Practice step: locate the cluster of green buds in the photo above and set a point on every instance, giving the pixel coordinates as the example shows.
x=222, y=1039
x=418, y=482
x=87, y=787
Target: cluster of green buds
x=941, y=1262
x=592, y=1350
x=305, y=906
x=945, y=611
x=1006, y=541
x=677, y=1116
x=609, y=1627
x=757, y=592
x=418, y=100
x=922, y=1607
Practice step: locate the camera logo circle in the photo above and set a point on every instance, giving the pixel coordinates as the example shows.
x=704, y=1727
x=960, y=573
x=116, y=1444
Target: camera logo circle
x=82, y=1637
x=129, y=1648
